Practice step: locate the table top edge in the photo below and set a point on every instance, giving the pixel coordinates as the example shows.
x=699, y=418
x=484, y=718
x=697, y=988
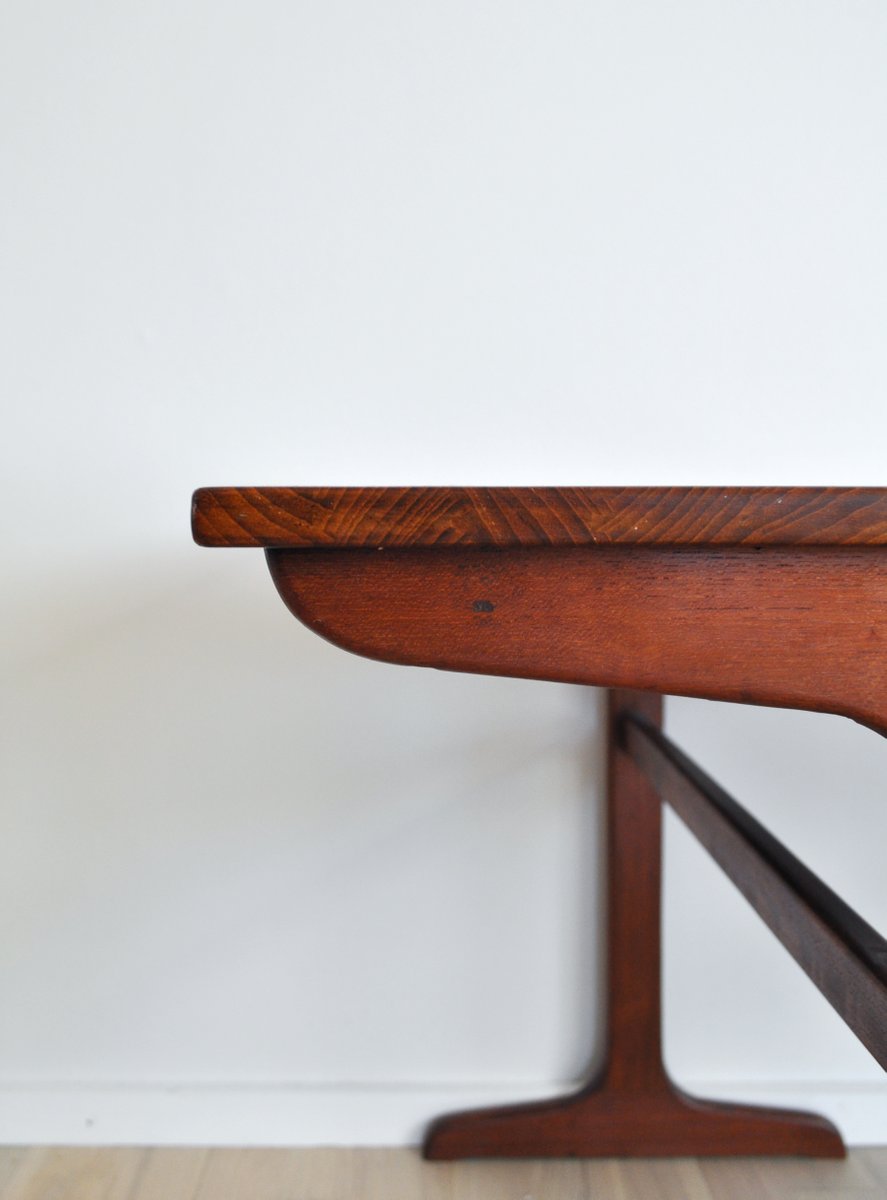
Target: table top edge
x=510, y=517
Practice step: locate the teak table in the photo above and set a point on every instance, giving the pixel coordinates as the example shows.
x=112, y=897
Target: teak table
x=759, y=596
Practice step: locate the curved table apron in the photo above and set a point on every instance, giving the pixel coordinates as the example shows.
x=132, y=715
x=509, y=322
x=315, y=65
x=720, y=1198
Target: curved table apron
x=766, y=596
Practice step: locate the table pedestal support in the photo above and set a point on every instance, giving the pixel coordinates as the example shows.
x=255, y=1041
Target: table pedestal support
x=633, y=1108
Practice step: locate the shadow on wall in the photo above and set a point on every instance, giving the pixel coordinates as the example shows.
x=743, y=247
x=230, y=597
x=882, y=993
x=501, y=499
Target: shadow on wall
x=234, y=852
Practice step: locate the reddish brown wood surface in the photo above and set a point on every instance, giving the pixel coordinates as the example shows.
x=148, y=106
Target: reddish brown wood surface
x=802, y=628
x=280, y=517
x=633, y=1108
x=844, y=956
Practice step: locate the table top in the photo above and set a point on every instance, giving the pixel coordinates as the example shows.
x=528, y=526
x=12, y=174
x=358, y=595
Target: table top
x=390, y=517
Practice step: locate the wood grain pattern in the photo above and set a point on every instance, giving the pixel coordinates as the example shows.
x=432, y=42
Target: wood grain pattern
x=369, y=518
x=844, y=956
x=633, y=1108
x=383, y=1173
x=55, y=1173
x=802, y=628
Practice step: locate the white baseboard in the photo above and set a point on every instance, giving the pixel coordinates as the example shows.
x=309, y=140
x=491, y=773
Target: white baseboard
x=340, y=1114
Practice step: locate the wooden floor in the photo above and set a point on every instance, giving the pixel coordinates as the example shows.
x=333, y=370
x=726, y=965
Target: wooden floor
x=343, y=1174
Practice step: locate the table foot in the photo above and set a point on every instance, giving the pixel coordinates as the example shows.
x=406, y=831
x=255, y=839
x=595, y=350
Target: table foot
x=601, y=1123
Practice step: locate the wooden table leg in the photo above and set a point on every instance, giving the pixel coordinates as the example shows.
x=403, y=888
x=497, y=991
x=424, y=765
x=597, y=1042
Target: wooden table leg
x=633, y=1108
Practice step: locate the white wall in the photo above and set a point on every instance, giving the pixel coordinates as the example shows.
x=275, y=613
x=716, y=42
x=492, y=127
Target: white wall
x=254, y=889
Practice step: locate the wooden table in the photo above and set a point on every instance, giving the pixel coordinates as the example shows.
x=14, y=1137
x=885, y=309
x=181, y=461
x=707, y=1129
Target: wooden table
x=760, y=596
